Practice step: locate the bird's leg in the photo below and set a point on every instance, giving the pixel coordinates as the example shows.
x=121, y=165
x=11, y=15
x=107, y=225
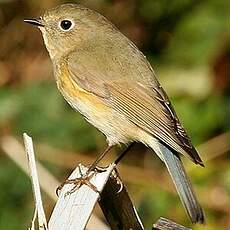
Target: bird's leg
x=84, y=179
x=93, y=166
x=119, y=158
x=78, y=182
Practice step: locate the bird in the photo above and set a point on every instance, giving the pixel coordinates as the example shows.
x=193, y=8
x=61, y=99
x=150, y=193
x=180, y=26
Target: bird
x=103, y=75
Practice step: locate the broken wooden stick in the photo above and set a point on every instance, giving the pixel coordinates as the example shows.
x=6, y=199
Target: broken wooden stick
x=165, y=224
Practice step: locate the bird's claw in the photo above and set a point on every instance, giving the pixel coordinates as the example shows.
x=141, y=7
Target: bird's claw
x=120, y=183
x=78, y=182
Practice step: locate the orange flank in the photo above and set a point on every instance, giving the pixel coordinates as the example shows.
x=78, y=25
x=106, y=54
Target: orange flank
x=68, y=86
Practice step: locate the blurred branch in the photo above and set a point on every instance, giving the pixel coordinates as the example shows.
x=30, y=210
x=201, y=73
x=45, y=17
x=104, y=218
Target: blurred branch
x=209, y=150
x=215, y=146
x=133, y=174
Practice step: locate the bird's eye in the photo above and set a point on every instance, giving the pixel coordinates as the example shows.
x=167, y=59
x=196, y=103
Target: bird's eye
x=66, y=25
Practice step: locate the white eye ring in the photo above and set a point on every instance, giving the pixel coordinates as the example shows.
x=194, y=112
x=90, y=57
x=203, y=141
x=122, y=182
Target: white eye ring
x=66, y=24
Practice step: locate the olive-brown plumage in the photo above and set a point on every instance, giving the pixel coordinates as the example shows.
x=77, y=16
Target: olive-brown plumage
x=104, y=76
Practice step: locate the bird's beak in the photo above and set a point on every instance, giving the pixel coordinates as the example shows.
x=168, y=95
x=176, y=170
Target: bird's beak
x=35, y=22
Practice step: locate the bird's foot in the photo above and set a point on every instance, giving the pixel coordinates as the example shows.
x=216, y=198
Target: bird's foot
x=78, y=182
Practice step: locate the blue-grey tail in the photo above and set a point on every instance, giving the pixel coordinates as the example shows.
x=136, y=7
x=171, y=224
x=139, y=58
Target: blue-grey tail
x=183, y=184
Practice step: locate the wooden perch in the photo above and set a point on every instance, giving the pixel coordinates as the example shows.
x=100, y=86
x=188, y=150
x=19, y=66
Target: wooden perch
x=73, y=211
x=117, y=206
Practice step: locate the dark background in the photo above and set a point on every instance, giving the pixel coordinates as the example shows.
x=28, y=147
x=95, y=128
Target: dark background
x=188, y=44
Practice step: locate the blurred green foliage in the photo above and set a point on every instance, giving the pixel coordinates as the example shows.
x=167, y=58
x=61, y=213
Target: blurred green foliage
x=15, y=197
x=180, y=35
x=40, y=110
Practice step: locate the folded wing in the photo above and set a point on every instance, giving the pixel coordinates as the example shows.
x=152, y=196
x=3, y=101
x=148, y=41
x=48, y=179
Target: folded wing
x=143, y=104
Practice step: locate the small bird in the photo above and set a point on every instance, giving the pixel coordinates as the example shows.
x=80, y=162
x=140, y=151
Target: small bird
x=105, y=77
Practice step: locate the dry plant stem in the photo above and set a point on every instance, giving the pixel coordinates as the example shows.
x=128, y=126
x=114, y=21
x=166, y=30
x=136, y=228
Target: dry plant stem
x=73, y=210
x=35, y=183
x=48, y=182
x=165, y=224
x=34, y=219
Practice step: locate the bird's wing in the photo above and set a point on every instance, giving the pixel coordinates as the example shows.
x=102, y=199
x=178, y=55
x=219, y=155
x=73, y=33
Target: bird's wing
x=149, y=109
x=146, y=106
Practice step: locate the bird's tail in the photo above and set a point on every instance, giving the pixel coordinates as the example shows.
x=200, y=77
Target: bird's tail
x=182, y=183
